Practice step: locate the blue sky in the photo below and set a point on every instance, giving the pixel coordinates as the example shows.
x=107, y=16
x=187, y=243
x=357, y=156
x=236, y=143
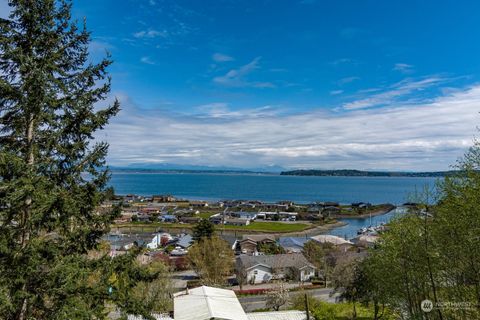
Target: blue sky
x=302, y=84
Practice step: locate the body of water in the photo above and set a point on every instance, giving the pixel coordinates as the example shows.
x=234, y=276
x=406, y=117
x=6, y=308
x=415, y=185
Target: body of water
x=270, y=188
x=349, y=231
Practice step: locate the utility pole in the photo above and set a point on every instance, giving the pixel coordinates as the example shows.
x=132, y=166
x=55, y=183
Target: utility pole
x=307, y=309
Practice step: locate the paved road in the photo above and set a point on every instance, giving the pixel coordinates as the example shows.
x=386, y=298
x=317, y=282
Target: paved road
x=251, y=303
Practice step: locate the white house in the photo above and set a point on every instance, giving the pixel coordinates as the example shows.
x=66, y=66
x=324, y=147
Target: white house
x=157, y=240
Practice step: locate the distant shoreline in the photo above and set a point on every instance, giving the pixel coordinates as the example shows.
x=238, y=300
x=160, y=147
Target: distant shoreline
x=303, y=173
x=360, y=173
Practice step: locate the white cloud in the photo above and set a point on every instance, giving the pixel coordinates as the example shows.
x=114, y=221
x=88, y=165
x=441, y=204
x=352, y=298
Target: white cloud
x=147, y=60
x=428, y=136
x=403, y=68
x=398, y=90
x=237, y=77
x=220, y=57
x=222, y=110
x=150, y=34
x=336, y=92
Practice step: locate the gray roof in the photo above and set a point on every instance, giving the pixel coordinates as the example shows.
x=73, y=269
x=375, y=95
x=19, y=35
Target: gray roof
x=292, y=242
x=289, y=260
x=185, y=241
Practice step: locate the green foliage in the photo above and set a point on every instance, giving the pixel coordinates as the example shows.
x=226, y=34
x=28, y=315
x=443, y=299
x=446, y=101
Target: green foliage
x=51, y=172
x=270, y=248
x=212, y=259
x=433, y=252
x=315, y=253
x=203, y=229
x=156, y=294
x=336, y=311
x=109, y=193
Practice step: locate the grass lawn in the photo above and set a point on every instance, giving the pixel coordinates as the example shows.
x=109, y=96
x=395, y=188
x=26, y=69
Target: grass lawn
x=270, y=227
x=254, y=226
x=205, y=215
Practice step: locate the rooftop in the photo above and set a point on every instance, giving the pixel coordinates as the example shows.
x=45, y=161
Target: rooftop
x=205, y=303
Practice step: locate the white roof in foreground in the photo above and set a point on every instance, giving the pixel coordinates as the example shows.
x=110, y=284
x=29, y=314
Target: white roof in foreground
x=278, y=315
x=322, y=238
x=205, y=303
x=155, y=315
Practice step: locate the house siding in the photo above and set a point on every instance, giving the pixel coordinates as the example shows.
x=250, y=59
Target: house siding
x=306, y=274
x=263, y=274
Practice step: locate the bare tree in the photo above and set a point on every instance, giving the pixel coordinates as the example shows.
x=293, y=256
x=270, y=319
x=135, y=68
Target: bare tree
x=277, y=297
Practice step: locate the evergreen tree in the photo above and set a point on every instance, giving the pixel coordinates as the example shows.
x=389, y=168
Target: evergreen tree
x=203, y=229
x=51, y=176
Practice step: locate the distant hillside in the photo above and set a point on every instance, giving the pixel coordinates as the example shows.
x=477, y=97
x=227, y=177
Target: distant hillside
x=359, y=173
x=212, y=171
x=171, y=167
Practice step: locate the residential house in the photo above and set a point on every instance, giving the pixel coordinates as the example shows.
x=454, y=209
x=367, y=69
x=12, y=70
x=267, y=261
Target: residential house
x=236, y=222
x=208, y=303
x=191, y=220
x=216, y=218
x=168, y=218
x=184, y=241
x=292, y=244
x=249, y=243
x=198, y=204
x=163, y=198
x=264, y=268
x=159, y=240
x=337, y=242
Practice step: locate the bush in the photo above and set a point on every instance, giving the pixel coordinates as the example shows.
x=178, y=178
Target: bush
x=194, y=283
x=251, y=291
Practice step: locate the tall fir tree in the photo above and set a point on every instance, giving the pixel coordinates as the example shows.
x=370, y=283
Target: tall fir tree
x=51, y=176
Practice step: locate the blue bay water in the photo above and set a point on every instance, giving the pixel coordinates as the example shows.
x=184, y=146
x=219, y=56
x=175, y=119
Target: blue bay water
x=270, y=188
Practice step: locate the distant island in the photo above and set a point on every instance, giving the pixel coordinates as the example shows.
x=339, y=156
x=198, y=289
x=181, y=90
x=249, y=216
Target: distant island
x=360, y=173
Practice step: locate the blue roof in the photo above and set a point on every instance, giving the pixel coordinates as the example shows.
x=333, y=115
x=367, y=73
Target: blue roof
x=292, y=242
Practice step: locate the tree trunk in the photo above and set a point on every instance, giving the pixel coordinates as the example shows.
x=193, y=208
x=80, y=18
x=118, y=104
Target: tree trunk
x=27, y=210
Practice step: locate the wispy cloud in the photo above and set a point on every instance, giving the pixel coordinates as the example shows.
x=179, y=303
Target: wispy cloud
x=336, y=92
x=347, y=80
x=150, y=34
x=396, y=137
x=342, y=61
x=238, y=77
x=393, y=93
x=403, y=68
x=222, y=110
x=147, y=60
x=220, y=57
